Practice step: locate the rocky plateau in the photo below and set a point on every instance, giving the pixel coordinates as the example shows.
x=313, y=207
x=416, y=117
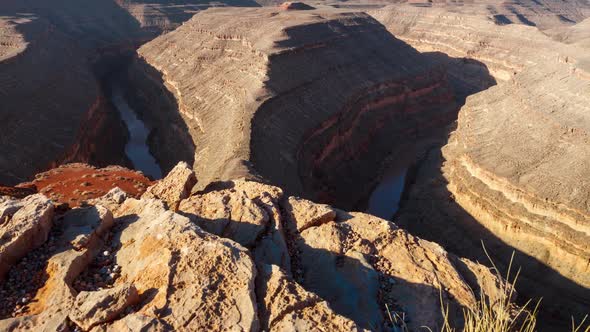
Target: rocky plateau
x=239, y=256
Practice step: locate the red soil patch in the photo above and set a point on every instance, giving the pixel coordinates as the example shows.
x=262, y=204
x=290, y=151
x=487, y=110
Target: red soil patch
x=74, y=184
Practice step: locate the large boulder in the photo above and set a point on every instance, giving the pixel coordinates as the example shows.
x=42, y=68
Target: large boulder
x=175, y=187
x=24, y=225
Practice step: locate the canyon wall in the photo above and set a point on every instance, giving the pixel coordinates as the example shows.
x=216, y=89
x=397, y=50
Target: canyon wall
x=166, y=15
x=311, y=99
x=513, y=172
x=49, y=96
x=56, y=58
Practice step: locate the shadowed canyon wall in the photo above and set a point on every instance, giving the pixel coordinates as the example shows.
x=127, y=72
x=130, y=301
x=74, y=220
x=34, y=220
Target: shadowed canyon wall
x=514, y=170
x=56, y=60
x=312, y=100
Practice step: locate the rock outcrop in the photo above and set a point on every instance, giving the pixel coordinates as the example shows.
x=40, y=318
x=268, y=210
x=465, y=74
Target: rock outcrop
x=24, y=226
x=340, y=76
x=176, y=187
x=148, y=267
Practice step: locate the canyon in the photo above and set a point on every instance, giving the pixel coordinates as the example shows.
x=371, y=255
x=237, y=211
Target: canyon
x=513, y=170
x=463, y=124
x=291, y=61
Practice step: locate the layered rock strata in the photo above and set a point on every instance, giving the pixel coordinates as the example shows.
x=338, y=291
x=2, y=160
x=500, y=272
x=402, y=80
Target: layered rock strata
x=340, y=76
x=504, y=49
x=513, y=171
x=55, y=61
x=48, y=89
x=142, y=266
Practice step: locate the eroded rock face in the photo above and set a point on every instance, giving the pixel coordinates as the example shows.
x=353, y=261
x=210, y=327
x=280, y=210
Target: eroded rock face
x=358, y=258
x=513, y=171
x=340, y=272
x=330, y=72
x=94, y=308
x=24, y=226
x=48, y=90
x=175, y=187
x=177, y=267
x=504, y=49
x=82, y=235
x=289, y=307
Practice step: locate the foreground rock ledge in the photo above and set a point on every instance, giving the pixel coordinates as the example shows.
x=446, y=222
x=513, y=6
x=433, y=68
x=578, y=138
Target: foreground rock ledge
x=300, y=266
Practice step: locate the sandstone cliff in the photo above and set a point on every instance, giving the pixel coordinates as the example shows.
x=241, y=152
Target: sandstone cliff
x=49, y=98
x=514, y=170
x=55, y=59
x=310, y=98
x=241, y=256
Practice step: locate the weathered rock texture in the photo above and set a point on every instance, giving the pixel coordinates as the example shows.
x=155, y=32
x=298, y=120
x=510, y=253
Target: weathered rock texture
x=308, y=96
x=340, y=273
x=24, y=226
x=504, y=49
x=578, y=34
x=514, y=171
x=49, y=98
x=175, y=187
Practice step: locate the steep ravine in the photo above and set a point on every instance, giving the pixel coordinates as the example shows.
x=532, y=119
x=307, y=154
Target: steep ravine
x=354, y=107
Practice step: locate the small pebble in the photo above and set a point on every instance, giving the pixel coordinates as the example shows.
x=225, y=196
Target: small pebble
x=105, y=253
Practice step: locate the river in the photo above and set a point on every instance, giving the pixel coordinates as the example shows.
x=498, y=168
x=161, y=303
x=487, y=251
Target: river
x=384, y=200
x=136, y=148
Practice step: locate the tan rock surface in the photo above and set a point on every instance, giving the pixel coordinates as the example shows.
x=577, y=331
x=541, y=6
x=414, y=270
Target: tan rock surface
x=229, y=214
x=289, y=307
x=82, y=236
x=176, y=267
x=94, y=308
x=309, y=214
x=25, y=226
x=175, y=187
x=163, y=272
x=357, y=259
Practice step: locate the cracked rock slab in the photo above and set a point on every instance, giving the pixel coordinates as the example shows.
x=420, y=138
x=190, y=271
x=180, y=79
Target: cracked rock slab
x=26, y=226
x=83, y=232
x=93, y=308
x=187, y=278
x=309, y=214
x=238, y=213
x=289, y=307
x=359, y=263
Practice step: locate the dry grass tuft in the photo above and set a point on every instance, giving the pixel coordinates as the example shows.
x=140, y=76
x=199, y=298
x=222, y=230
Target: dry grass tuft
x=500, y=316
